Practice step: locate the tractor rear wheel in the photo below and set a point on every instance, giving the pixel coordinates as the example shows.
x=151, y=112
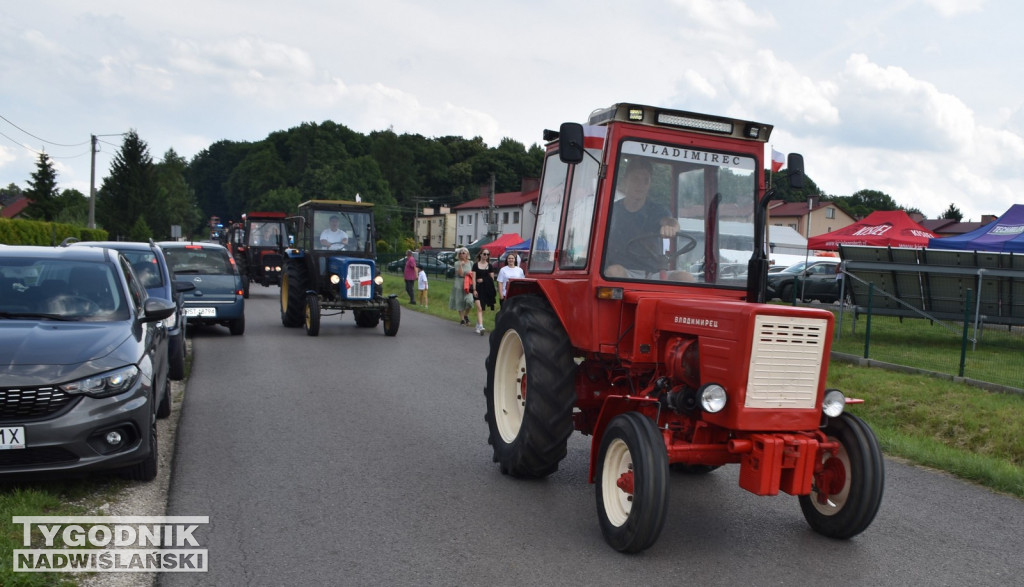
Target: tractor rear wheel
x=848, y=490
x=392, y=317
x=632, y=482
x=312, y=321
x=293, y=293
x=367, y=318
x=530, y=393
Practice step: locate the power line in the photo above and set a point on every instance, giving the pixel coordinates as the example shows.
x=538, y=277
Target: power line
x=38, y=138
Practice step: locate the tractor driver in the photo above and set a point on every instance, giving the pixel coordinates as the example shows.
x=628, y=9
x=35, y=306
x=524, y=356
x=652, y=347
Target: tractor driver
x=631, y=254
x=333, y=237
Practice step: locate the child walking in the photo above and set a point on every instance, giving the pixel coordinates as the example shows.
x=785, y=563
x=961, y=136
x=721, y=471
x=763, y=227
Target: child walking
x=421, y=281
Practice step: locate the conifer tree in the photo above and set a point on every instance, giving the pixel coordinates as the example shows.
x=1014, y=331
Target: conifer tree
x=42, y=191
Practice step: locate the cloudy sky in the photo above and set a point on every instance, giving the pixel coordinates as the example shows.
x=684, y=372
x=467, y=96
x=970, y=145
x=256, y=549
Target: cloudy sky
x=920, y=99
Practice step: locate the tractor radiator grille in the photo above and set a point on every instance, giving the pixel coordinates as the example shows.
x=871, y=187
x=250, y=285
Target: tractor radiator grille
x=785, y=362
x=360, y=282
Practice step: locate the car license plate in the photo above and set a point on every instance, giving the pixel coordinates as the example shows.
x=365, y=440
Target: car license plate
x=203, y=312
x=12, y=437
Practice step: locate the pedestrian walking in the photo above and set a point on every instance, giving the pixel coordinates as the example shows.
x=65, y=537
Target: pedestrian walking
x=410, y=276
x=421, y=283
x=511, y=270
x=484, y=293
x=461, y=297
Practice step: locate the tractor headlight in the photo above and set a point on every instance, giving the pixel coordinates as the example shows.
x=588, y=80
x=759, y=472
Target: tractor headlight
x=335, y=279
x=834, y=403
x=712, y=398
x=378, y=280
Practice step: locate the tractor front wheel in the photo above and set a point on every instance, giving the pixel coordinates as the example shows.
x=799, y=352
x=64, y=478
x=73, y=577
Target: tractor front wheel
x=293, y=293
x=392, y=317
x=530, y=393
x=312, y=322
x=632, y=482
x=848, y=489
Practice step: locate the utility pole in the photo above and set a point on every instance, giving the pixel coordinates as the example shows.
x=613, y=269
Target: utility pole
x=92, y=184
x=492, y=214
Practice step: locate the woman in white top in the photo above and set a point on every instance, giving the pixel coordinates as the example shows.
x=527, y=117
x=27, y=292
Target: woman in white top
x=511, y=270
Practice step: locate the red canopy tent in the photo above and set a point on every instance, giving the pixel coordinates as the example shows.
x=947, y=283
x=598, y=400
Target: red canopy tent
x=879, y=229
x=495, y=247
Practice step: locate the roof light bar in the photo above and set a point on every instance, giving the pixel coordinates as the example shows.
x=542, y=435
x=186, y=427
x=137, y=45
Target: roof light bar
x=696, y=123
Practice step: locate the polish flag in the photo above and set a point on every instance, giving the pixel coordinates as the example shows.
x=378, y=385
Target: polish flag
x=778, y=160
x=593, y=136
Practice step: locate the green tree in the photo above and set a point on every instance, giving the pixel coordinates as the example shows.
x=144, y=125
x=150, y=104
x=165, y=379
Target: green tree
x=74, y=208
x=128, y=192
x=10, y=193
x=953, y=213
x=42, y=190
x=140, y=231
x=175, y=202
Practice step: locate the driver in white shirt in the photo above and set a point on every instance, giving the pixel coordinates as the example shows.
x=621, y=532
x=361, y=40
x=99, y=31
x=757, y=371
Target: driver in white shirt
x=333, y=237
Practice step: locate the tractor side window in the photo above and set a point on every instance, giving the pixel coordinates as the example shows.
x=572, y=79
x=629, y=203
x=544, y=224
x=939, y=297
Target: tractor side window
x=549, y=215
x=579, y=220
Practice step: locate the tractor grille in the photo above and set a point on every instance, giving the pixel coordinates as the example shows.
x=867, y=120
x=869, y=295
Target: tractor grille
x=360, y=281
x=785, y=362
x=30, y=403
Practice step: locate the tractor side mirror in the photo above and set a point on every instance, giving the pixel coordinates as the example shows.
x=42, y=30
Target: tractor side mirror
x=795, y=164
x=570, y=142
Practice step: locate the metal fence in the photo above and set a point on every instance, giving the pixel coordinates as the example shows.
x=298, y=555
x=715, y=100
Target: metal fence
x=965, y=348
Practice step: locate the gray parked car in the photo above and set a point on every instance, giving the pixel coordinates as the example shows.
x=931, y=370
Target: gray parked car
x=84, y=370
x=149, y=264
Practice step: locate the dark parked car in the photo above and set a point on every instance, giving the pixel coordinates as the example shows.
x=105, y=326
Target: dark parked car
x=430, y=264
x=813, y=280
x=149, y=264
x=83, y=363
x=218, y=297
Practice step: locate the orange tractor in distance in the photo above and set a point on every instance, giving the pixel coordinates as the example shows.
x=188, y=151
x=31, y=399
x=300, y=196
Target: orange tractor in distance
x=641, y=323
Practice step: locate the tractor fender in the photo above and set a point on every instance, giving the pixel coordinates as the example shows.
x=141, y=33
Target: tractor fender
x=613, y=406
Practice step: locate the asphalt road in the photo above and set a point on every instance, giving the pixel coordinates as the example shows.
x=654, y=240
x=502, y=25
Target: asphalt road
x=353, y=458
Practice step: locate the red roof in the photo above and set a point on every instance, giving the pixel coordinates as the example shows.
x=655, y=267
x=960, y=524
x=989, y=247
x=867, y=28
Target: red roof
x=879, y=229
x=14, y=208
x=503, y=200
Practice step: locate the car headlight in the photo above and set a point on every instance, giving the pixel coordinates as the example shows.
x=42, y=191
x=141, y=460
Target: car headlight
x=104, y=384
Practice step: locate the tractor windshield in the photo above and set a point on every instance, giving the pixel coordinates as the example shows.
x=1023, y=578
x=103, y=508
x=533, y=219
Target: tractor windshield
x=265, y=234
x=339, y=230
x=681, y=214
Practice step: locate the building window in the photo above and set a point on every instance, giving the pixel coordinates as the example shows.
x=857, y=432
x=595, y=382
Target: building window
x=461, y=218
x=830, y=213
x=793, y=226
x=504, y=218
x=515, y=217
x=469, y=220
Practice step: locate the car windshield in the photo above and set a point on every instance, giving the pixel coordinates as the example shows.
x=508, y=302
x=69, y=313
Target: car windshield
x=57, y=289
x=197, y=260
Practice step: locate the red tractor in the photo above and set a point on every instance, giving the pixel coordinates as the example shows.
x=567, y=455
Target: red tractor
x=258, y=244
x=641, y=322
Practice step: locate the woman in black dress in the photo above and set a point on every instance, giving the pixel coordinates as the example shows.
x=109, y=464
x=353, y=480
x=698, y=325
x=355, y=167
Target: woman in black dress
x=484, y=292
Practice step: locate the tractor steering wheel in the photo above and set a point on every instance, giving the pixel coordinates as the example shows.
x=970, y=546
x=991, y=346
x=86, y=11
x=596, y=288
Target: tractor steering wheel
x=649, y=244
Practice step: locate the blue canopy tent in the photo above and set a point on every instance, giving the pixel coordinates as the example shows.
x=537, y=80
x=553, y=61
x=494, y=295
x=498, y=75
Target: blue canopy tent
x=1006, y=234
x=523, y=246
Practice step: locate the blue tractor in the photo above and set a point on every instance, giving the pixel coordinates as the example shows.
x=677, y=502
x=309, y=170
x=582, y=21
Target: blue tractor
x=331, y=267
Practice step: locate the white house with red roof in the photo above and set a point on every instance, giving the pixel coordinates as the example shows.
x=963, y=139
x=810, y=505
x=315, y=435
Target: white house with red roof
x=515, y=212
